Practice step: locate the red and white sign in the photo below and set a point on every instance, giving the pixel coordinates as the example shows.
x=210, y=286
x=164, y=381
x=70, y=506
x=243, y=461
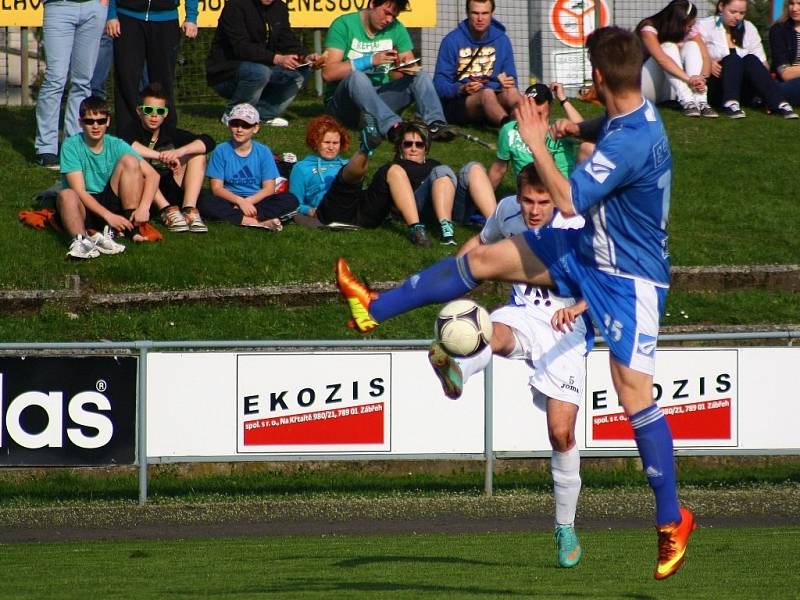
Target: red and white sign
x=697, y=391
x=333, y=403
x=573, y=20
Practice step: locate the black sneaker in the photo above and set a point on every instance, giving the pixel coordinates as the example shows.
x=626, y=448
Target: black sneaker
x=418, y=235
x=393, y=135
x=370, y=134
x=733, y=111
x=440, y=132
x=48, y=161
x=785, y=110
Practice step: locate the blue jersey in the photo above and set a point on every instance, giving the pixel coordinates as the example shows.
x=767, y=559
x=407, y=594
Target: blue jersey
x=242, y=175
x=623, y=192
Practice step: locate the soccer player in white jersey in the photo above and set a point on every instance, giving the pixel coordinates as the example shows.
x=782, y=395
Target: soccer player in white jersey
x=544, y=330
x=618, y=262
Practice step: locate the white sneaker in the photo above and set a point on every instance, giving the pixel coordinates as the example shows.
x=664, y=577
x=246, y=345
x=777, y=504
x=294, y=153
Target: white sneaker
x=82, y=247
x=275, y=122
x=104, y=242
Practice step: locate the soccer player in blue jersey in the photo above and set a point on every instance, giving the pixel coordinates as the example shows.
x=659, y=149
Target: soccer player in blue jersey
x=619, y=262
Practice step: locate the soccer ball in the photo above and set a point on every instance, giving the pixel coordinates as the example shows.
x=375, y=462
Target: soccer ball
x=463, y=328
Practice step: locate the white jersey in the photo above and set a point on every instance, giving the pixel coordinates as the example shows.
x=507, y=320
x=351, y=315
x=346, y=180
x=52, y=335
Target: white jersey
x=557, y=358
x=507, y=221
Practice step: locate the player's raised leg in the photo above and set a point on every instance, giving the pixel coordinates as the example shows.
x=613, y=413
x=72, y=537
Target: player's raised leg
x=450, y=278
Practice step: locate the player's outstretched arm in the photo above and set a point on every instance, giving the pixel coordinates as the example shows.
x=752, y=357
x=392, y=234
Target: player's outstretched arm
x=564, y=318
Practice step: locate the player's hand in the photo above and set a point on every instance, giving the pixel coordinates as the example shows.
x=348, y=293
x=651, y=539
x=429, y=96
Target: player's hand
x=315, y=60
x=189, y=29
x=112, y=28
x=563, y=319
x=716, y=68
x=118, y=222
x=171, y=158
x=564, y=128
x=386, y=57
x=506, y=81
x=140, y=215
x=247, y=207
x=531, y=121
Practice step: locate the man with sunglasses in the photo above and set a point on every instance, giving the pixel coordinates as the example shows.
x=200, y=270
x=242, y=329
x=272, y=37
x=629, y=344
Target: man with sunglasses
x=108, y=187
x=178, y=155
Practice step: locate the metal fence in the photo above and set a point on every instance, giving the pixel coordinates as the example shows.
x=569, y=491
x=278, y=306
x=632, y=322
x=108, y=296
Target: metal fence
x=142, y=348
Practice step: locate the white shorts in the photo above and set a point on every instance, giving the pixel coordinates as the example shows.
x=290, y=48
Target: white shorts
x=558, y=359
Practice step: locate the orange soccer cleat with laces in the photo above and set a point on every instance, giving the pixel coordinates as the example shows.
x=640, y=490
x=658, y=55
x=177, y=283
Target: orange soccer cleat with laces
x=672, y=542
x=358, y=296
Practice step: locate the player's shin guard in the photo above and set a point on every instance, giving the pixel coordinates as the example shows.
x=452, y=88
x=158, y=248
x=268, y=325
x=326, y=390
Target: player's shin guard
x=565, y=468
x=446, y=280
x=654, y=440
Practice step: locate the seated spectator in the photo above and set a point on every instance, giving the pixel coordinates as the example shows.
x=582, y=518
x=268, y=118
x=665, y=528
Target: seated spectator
x=475, y=72
x=565, y=151
x=360, y=49
x=178, y=156
x=676, y=63
x=256, y=58
x=108, y=187
x=242, y=173
x=330, y=188
x=431, y=185
x=739, y=70
x=784, y=42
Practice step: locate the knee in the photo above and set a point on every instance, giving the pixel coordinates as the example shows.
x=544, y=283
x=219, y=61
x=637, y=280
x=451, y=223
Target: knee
x=470, y=170
x=128, y=163
x=356, y=80
x=254, y=72
x=66, y=199
x=488, y=95
x=561, y=437
x=444, y=172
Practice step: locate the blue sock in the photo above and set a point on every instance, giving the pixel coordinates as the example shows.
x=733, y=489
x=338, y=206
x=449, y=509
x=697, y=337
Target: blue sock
x=654, y=440
x=446, y=280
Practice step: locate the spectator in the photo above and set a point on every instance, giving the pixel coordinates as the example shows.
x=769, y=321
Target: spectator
x=178, y=156
x=146, y=36
x=330, y=188
x=71, y=35
x=256, y=58
x=107, y=185
x=242, y=173
x=431, y=185
x=511, y=148
x=676, y=63
x=475, y=72
x=784, y=36
x=360, y=49
x=739, y=70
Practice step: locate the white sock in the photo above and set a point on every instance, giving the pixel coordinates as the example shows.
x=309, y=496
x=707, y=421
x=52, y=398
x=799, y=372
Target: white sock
x=565, y=467
x=473, y=364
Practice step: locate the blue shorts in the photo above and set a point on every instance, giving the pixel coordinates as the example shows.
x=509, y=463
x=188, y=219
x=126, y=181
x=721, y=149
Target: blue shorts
x=625, y=310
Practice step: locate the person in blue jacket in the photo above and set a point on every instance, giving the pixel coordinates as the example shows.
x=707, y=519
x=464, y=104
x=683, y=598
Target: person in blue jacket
x=475, y=75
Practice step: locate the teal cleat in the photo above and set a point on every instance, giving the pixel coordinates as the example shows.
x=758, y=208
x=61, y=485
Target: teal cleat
x=447, y=370
x=569, y=548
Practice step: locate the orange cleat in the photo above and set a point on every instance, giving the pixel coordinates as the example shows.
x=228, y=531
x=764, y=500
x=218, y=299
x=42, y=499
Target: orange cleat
x=358, y=297
x=672, y=542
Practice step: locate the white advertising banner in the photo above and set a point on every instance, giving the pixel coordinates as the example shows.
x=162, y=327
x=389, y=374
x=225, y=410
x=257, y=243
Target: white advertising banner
x=219, y=404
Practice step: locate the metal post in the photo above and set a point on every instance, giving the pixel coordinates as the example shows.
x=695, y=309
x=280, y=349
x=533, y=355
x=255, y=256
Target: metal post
x=488, y=429
x=141, y=430
x=24, y=76
x=318, y=50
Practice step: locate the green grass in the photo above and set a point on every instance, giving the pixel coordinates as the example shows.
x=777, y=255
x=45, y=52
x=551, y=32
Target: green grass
x=721, y=563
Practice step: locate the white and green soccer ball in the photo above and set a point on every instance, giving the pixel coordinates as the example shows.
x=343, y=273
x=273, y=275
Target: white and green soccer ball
x=463, y=328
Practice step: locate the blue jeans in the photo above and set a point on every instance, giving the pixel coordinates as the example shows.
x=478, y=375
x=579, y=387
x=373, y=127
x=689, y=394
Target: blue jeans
x=270, y=89
x=71, y=32
x=356, y=94
x=791, y=91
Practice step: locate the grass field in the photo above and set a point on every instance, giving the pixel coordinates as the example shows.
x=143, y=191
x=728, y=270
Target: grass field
x=617, y=564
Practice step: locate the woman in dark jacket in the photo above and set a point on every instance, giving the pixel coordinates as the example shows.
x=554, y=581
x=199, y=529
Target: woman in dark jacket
x=784, y=46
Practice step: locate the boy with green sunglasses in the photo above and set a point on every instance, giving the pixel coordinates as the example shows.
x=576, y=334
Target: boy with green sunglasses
x=178, y=155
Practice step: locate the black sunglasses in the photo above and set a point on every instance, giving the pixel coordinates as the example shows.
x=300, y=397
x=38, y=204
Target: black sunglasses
x=161, y=111
x=88, y=121
x=413, y=143
x=241, y=124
